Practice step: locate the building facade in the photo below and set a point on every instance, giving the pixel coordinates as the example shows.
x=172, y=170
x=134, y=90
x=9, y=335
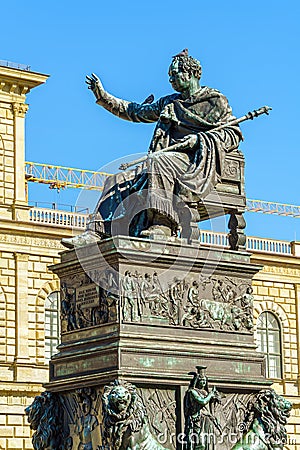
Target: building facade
x=26, y=249
x=29, y=292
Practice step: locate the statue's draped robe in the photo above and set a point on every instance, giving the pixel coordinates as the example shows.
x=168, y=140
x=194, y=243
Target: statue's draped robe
x=202, y=430
x=167, y=179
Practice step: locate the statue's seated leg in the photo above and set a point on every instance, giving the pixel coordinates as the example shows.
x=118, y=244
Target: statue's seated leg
x=109, y=208
x=94, y=232
x=85, y=238
x=129, y=197
x=163, y=171
x=160, y=225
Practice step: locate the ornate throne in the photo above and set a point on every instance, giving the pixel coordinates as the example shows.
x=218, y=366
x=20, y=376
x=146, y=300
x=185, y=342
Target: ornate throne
x=228, y=197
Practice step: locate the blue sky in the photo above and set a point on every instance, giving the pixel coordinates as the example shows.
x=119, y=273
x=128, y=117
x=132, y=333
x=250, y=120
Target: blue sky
x=248, y=50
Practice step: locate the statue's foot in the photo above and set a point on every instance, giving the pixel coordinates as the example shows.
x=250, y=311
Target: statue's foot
x=157, y=231
x=88, y=237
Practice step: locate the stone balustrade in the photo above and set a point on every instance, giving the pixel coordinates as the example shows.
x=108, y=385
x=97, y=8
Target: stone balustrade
x=46, y=216
x=78, y=221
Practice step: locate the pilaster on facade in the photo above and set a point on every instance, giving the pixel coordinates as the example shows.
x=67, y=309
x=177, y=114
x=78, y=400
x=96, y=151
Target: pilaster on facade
x=297, y=305
x=19, y=109
x=15, y=84
x=21, y=296
x=20, y=204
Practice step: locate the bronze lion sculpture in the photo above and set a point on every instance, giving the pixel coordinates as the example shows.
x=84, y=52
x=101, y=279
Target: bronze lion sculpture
x=265, y=423
x=126, y=425
x=45, y=416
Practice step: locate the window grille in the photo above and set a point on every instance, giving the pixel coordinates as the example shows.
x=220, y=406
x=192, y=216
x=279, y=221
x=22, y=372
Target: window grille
x=269, y=343
x=52, y=329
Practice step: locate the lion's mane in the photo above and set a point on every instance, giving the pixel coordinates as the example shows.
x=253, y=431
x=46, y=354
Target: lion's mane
x=272, y=411
x=45, y=417
x=133, y=417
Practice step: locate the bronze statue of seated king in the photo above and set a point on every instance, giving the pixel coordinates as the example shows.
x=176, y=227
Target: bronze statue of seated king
x=193, y=169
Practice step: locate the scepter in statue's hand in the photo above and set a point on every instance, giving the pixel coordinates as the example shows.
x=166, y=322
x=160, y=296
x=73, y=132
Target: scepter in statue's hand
x=191, y=140
x=188, y=142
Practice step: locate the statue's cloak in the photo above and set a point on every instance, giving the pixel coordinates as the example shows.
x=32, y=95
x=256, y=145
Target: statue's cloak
x=194, y=172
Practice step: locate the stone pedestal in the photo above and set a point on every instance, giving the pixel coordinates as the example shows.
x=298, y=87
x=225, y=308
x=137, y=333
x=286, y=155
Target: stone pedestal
x=147, y=312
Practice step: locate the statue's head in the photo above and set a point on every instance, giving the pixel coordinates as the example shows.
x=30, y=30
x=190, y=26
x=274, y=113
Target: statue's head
x=202, y=382
x=86, y=406
x=183, y=71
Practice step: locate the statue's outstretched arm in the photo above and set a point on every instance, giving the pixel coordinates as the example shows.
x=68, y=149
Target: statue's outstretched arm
x=131, y=111
x=115, y=105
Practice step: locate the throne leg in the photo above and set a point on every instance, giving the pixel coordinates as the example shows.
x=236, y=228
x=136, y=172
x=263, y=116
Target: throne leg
x=189, y=218
x=195, y=219
x=236, y=236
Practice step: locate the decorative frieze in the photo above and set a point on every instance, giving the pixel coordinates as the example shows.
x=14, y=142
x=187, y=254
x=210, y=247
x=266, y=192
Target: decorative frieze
x=7, y=238
x=215, y=302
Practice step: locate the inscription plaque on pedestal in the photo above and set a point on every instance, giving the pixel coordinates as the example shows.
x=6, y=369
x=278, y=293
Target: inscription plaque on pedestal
x=87, y=296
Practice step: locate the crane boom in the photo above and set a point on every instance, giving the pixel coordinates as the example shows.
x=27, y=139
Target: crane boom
x=60, y=177
x=266, y=207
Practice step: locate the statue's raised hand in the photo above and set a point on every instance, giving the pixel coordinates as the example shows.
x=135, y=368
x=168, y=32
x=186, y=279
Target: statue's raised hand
x=95, y=85
x=124, y=166
x=216, y=394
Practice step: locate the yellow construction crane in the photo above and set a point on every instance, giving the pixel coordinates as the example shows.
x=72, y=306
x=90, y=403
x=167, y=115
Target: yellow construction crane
x=280, y=209
x=59, y=177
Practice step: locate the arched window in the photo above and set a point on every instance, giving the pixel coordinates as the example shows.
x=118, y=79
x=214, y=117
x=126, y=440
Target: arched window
x=52, y=331
x=269, y=343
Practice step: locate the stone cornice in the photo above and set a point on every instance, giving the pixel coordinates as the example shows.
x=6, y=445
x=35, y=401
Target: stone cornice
x=30, y=241
x=272, y=259
x=16, y=83
x=28, y=238
x=8, y=226
x=277, y=273
x=19, y=387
